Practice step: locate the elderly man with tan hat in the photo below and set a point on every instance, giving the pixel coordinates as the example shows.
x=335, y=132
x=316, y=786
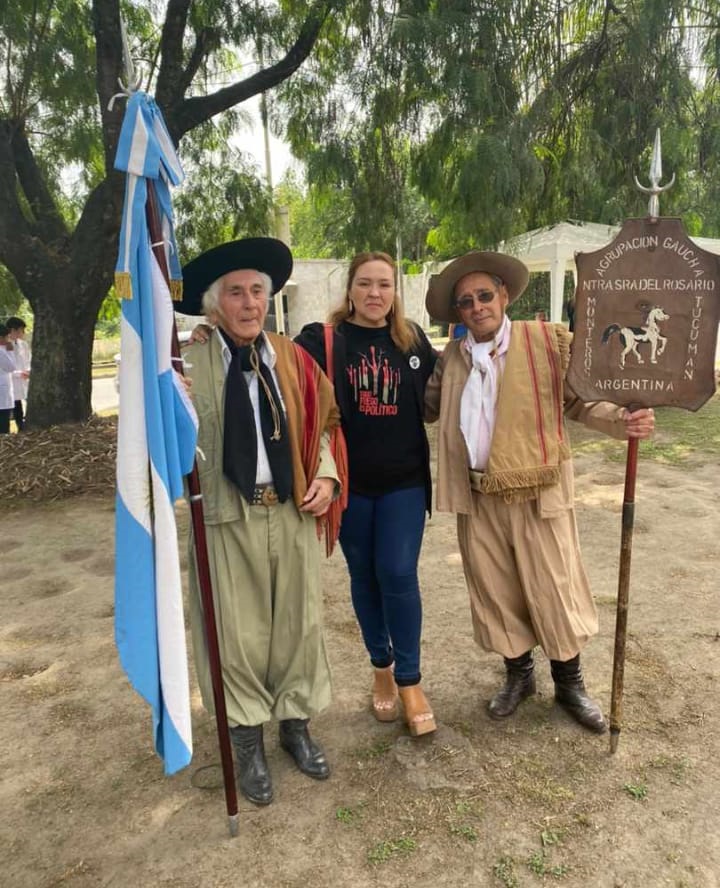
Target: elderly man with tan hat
x=505, y=468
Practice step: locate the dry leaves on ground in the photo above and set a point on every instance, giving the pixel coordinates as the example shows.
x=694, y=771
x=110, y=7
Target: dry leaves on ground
x=62, y=461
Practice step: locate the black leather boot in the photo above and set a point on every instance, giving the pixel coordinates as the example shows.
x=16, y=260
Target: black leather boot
x=570, y=693
x=253, y=774
x=519, y=684
x=308, y=756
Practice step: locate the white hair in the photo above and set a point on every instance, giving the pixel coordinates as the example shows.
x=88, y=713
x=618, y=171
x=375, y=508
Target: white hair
x=211, y=296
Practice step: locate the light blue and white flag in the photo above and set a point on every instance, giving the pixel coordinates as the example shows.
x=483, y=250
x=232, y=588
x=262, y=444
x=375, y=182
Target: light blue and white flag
x=157, y=433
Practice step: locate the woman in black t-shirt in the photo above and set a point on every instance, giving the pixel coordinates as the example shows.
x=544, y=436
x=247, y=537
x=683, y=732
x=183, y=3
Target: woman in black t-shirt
x=381, y=364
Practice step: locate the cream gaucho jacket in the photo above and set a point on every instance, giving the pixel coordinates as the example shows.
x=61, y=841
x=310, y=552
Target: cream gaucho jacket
x=530, y=451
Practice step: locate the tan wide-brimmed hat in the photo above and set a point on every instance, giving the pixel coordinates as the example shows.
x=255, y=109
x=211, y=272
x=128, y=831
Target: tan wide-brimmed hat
x=440, y=297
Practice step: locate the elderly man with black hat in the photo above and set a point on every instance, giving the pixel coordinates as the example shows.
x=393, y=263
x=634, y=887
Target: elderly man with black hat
x=267, y=476
x=505, y=468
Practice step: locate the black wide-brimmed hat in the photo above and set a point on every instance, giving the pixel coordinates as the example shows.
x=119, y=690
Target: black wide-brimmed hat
x=266, y=254
x=440, y=299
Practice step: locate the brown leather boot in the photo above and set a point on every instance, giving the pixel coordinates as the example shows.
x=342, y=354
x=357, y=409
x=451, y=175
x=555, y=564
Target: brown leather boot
x=519, y=684
x=570, y=693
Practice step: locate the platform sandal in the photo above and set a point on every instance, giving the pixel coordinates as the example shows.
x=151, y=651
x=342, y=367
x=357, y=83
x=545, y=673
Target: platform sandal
x=418, y=714
x=385, y=695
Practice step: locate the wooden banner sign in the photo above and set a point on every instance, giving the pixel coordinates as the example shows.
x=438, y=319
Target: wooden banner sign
x=647, y=308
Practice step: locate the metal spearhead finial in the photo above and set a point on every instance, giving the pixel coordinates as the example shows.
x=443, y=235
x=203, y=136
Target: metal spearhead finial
x=655, y=176
x=133, y=80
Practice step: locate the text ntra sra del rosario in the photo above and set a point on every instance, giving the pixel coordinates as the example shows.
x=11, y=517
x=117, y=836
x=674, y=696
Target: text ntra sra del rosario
x=648, y=285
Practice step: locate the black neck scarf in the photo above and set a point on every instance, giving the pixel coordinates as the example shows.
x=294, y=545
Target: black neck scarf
x=240, y=450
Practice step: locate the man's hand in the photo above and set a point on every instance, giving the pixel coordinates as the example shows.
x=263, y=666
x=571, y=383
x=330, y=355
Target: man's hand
x=319, y=496
x=201, y=334
x=185, y=381
x=639, y=423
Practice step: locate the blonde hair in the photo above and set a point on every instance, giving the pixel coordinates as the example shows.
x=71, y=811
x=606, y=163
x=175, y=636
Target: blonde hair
x=402, y=332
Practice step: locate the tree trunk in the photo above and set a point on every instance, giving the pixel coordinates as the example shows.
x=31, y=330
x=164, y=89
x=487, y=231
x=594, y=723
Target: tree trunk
x=61, y=376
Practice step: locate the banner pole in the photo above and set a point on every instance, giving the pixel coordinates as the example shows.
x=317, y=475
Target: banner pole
x=623, y=596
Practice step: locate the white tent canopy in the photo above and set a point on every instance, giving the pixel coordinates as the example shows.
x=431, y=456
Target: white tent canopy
x=552, y=249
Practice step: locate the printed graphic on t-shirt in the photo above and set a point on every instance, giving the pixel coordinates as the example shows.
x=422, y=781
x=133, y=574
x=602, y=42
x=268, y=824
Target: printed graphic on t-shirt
x=374, y=383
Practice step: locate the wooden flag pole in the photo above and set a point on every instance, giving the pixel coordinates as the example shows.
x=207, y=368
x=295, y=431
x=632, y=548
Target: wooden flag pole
x=201, y=556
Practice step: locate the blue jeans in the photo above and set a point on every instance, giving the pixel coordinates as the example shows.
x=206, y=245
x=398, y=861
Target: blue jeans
x=381, y=538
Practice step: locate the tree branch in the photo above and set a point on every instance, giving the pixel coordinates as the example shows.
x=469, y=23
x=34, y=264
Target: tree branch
x=207, y=40
x=170, y=75
x=194, y=111
x=14, y=226
x=109, y=67
x=49, y=224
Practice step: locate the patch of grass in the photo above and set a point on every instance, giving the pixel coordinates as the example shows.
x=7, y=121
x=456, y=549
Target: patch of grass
x=540, y=862
x=464, y=831
x=536, y=863
x=679, y=436
x=345, y=815
x=349, y=816
x=606, y=600
x=465, y=807
x=383, y=851
x=543, y=788
x=378, y=749
x=638, y=791
x=676, y=766
x=504, y=872
x=549, y=837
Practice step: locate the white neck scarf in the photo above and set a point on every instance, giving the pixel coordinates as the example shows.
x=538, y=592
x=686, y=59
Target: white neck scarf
x=477, y=405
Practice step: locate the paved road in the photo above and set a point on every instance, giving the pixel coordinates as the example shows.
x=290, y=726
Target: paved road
x=104, y=396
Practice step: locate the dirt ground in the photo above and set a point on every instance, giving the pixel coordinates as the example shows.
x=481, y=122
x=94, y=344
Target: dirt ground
x=531, y=801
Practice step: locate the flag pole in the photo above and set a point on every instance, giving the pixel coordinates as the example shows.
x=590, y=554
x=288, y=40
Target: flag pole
x=200, y=541
x=152, y=215
x=628, y=509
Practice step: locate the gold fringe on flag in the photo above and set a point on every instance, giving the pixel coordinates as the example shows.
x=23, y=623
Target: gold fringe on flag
x=123, y=284
x=176, y=290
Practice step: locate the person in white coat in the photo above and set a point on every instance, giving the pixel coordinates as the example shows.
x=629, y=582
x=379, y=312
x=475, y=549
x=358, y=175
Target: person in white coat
x=16, y=334
x=7, y=368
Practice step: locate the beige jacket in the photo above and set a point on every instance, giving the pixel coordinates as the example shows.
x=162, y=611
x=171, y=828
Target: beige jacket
x=222, y=501
x=442, y=401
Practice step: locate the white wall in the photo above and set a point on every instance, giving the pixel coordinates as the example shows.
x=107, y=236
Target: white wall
x=318, y=285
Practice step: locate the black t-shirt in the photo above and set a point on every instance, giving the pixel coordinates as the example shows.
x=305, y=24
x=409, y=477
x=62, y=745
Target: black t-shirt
x=383, y=427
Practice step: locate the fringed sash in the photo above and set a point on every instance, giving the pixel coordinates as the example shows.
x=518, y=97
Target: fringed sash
x=311, y=411
x=529, y=438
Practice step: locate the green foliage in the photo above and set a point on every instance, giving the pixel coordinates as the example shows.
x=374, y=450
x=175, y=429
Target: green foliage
x=108, y=321
x=464, y=831
x=223, y=197
x=504, y=872
x=345, y=815
x=10, y=295
x=383, y=851
x=638, y=791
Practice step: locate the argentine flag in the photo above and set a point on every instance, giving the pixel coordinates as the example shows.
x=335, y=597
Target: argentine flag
x=157, y=433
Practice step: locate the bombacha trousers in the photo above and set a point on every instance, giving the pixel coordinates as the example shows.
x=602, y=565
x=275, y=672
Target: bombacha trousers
x=526, y=579
x=268, y=606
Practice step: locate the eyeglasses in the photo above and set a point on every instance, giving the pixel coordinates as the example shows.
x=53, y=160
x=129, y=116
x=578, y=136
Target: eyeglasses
x=484, y=296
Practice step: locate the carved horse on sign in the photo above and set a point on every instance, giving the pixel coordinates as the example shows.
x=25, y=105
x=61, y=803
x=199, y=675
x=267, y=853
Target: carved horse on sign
x=630, y=337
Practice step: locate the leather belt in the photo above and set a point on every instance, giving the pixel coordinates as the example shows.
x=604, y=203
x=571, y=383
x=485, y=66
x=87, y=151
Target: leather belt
x=264, y=495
